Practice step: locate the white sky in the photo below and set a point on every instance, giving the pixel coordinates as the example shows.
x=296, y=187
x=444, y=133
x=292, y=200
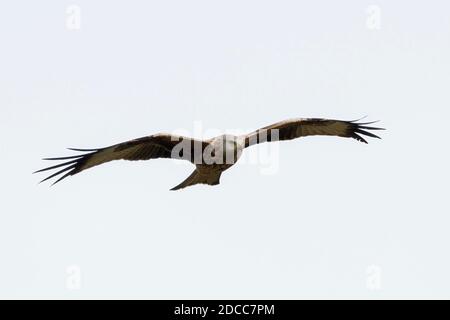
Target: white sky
x=338, y=219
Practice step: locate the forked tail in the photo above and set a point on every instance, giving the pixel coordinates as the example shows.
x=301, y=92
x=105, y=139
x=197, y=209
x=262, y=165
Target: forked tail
x=211, y=178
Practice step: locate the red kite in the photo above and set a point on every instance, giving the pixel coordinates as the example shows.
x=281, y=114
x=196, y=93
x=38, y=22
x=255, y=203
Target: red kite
x=211, y=157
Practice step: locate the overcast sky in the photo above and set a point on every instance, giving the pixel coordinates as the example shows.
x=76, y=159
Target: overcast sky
x=335, y=218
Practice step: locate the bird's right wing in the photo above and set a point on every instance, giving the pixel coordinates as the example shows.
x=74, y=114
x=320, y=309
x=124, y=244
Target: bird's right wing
x=150, y=147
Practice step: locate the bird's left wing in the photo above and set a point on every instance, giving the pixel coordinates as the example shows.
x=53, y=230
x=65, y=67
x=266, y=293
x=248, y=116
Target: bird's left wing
x=150, y=147
x=296, y=128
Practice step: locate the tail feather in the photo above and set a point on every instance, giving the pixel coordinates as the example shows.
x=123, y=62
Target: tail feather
x=196, y=177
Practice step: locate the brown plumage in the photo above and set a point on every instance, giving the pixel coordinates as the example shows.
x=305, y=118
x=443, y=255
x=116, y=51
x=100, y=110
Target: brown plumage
x=211, y=156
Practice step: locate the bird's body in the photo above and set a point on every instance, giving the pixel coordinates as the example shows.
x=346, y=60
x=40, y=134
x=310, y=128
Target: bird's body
x=211, y=157
x=221, y=153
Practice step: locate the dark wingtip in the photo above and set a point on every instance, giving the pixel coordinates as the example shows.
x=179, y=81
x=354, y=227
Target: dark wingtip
x=361, y=128
x=63, y=177
x=68, y=168
x=82, y=150
x=64, y=158
x=353, y=121
x=359, y=138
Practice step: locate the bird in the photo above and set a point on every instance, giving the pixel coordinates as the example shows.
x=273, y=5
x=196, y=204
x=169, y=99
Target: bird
x=211, y=157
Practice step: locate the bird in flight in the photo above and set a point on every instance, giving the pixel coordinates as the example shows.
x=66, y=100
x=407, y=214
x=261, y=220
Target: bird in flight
x=211, y=157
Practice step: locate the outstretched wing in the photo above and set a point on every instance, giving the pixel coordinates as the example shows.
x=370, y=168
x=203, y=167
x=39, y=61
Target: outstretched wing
x=151, y=147
x=296, y=128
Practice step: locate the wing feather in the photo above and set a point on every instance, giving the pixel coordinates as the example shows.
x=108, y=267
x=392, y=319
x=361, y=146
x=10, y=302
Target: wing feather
x=150, y=147
x=296, y=128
